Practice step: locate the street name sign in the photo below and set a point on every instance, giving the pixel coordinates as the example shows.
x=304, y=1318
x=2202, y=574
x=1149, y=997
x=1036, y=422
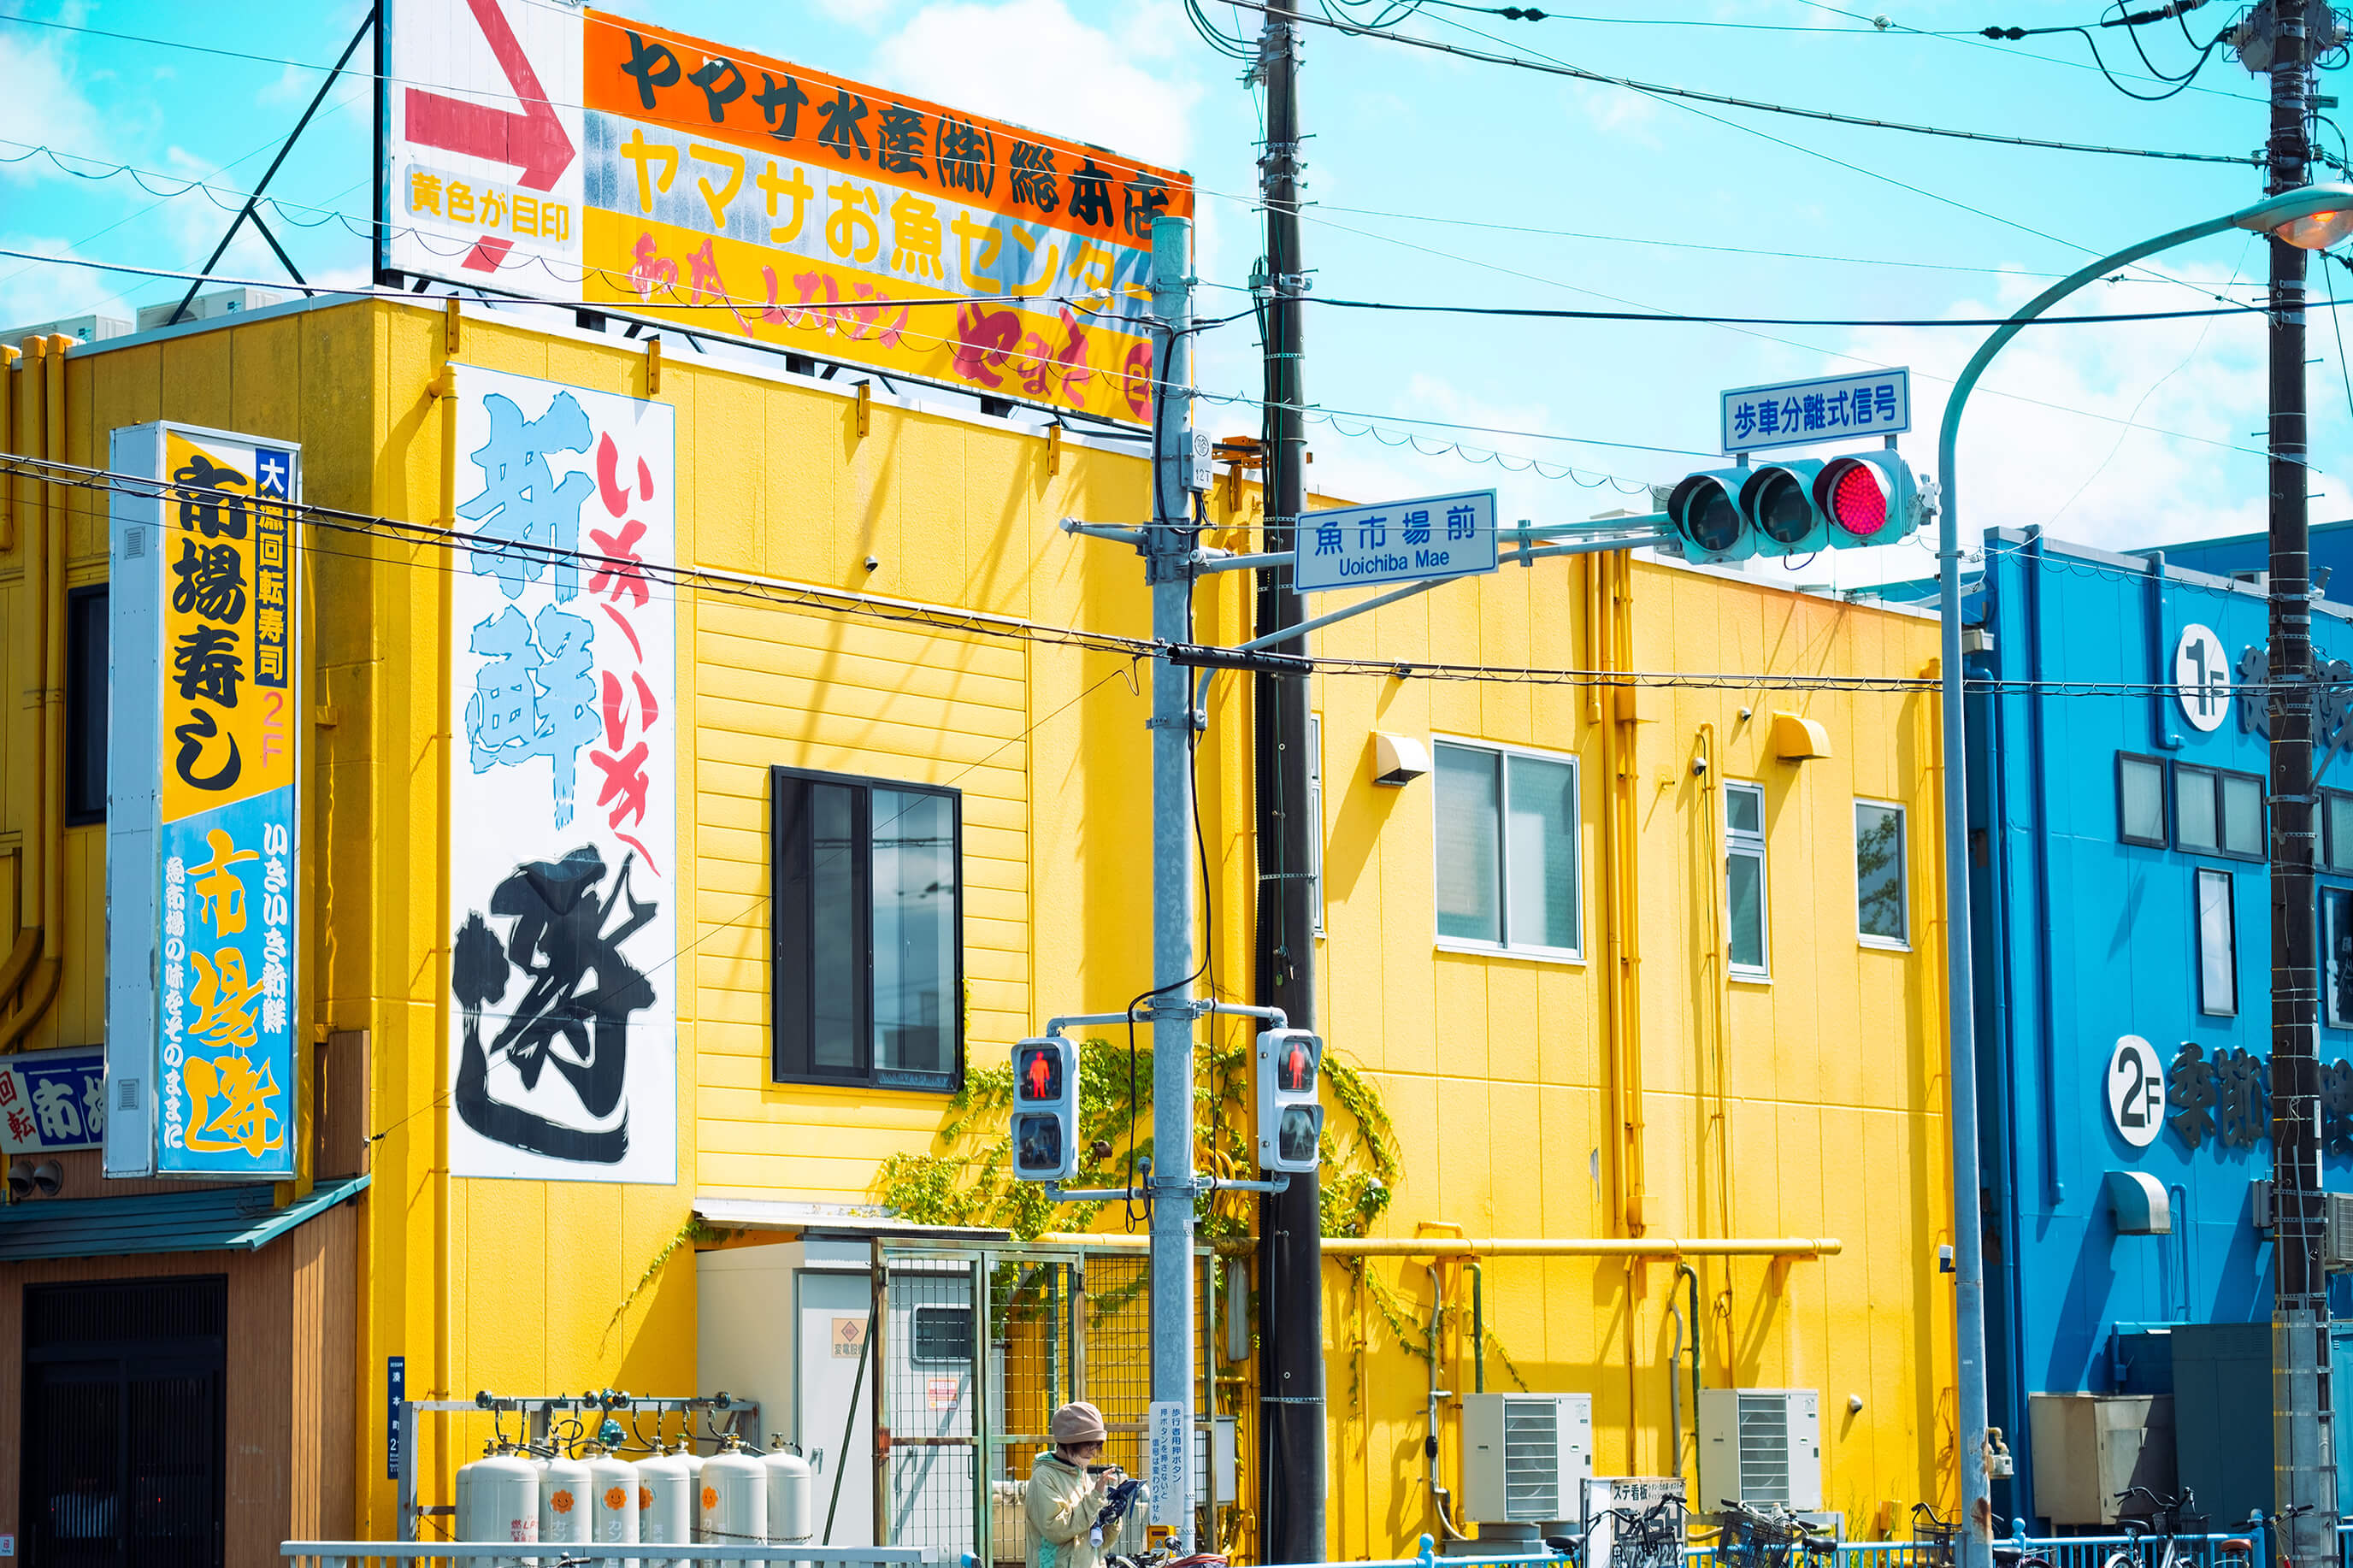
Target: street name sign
x=1396, y=541
x=1825, y=408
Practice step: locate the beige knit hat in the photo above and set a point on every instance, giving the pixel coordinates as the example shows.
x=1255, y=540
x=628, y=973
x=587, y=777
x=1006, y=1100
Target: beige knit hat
x=1075, y=1424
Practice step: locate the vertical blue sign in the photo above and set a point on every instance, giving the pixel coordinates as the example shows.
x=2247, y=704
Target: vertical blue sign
x=395, y=1393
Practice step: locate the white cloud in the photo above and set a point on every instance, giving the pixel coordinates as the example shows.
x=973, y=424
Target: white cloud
x=43, y=104
x=1128, y=87
x=866, y=15
x=1617, y=113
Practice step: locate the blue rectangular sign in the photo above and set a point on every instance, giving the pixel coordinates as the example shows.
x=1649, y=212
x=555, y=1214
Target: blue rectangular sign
x=395, y=1390
x=1826, y=408
x=1396, y=541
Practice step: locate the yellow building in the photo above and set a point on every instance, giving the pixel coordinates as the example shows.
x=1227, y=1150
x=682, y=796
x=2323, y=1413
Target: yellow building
x=871, y=595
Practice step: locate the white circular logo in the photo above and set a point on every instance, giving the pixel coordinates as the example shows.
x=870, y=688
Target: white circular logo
x=2135, y=1091
x=2202, y=677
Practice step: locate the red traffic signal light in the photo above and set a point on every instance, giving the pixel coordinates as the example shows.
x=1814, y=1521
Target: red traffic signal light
x=1290, y=1122
x=1045, y=1123
x=1038, y=1071
x=1294, y=1069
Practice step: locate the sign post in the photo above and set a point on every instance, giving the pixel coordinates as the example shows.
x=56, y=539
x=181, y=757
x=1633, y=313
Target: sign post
x=1823, y=408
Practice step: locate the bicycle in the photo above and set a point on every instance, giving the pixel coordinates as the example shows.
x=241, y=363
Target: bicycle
x=1751, y=1536
x=1936, y=1532
x=1647, y=1538
x=2168, y=1513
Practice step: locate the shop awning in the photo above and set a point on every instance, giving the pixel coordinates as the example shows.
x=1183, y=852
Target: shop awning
x=220, y=1219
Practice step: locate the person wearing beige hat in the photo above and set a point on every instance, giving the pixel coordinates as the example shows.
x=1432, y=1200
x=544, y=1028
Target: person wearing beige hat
x=1064, y=1495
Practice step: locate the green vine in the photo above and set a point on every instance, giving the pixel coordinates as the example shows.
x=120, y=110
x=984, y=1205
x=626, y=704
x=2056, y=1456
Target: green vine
x=693, y=1233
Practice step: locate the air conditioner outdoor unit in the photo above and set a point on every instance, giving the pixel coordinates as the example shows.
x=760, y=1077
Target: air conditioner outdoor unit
x=1526, y=1457
x=1760, y=1445
x=2337, y=1232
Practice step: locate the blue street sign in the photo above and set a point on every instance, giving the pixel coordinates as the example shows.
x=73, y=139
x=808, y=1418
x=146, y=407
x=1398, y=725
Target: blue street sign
x=1826, y=408
x=1396, y=541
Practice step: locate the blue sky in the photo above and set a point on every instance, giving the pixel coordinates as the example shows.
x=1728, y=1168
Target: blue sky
x=1439, y=180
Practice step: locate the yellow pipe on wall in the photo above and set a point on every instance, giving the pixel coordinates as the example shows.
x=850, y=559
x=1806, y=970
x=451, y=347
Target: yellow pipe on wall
x=1587, y=1246
x=1625, y=926
x=44, y=573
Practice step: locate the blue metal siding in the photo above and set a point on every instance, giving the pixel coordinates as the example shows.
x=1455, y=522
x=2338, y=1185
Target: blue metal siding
x=2084, y=939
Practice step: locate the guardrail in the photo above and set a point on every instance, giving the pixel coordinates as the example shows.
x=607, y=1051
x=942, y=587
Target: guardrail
x=601, y=1555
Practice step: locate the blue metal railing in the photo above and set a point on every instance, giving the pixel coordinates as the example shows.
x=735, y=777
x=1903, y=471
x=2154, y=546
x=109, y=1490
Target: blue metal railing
x=2202, y=1551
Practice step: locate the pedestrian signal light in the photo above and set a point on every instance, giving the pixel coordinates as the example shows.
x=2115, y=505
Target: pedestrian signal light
x=1045, y=1110
x=1289, y=1119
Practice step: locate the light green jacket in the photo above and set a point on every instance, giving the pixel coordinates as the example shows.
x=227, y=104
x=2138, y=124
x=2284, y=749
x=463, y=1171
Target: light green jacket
x=1062, y=1504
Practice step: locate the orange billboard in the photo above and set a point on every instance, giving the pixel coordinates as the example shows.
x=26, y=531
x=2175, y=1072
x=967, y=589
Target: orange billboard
x=738, y=193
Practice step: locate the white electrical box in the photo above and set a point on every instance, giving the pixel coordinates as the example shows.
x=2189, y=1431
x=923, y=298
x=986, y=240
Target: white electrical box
x=1760, y=1445
x=2337, y=1232
x=1526, y=1457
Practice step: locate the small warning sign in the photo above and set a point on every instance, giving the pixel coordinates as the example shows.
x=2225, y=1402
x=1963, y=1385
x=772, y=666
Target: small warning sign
x=942, y=1392
x=848, y=1337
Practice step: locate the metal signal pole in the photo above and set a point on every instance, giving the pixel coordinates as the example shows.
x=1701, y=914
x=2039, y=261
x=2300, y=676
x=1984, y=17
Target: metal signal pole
x=2303, y=1470
x=1291, y=1248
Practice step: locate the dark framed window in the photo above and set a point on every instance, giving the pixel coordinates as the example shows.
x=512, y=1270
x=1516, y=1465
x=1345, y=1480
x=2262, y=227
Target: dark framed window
x=2218, y=943
x=86, y=705
x=2218, y=812
x=2337, y=829
x=2140, y=800
x=2336, y=956
x=868, y=930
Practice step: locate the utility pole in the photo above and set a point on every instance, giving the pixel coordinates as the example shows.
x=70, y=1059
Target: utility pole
x=2303, y=1470
x=1291, y=1247
x=1169, y=569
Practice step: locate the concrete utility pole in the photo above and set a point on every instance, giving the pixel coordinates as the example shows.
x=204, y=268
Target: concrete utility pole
x=2303, y=1470
x=1169, y=568
x=1291, y=1247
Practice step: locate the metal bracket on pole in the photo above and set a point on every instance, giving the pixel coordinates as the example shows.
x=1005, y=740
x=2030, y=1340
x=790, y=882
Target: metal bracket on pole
x=1115, y=532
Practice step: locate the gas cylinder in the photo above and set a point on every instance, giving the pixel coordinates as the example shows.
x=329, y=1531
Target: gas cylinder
x=789, y=1485
x=564, y=1501
x=734, y=1495
x=499, y=1498
x=612, y=1498
x=666, y=1498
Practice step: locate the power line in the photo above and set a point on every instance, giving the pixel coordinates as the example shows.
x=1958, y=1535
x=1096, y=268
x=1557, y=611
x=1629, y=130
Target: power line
x=811, y=598
x=1708, y=321
x=1549, y=67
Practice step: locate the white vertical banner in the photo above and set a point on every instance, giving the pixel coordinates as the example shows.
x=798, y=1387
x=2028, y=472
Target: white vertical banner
x=562, y=788
x=1170, y=1458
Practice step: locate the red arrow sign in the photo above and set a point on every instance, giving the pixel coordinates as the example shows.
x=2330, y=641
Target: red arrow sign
x=534, y=141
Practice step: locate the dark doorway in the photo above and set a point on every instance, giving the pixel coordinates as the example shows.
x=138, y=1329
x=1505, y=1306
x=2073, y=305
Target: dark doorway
x=123, y=1423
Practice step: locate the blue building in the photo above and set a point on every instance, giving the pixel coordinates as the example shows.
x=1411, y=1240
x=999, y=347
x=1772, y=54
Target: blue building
x=2119, y=902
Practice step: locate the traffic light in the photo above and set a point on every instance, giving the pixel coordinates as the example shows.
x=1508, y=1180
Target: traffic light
x=1290, y=1120
x=1045, y=1110
x=1797, y=506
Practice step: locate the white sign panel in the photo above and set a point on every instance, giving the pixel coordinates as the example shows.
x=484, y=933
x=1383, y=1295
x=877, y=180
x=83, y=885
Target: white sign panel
x=482, y=138
x=562, y=787
x=2136, y=1087
x=1396, y=541
x=2201, y=678
x=1826, y=408
x=1170, y=1458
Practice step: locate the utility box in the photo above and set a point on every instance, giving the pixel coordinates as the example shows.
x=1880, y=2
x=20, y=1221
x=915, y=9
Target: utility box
x=1527, y=1457
x=1761, y=1445
x=2222, y=1416
x=2090, y=1447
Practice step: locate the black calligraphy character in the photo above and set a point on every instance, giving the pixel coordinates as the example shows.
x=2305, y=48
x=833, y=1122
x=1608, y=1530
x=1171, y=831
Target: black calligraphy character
x=1091, y=194
x=653, y=65
x=214, y=516
x=212, y=581
x=722, y=84
x=900, y=138
x=840, y=130
x=966, y=156
x=206, y=664
x=786, y=97
x=2241, y=1116
x=2337, y=1106
x=2253, y=678
x=1145, y=200
x=2190, y=1086
x=1033, y=177
x=561, y=932
x=192, y=736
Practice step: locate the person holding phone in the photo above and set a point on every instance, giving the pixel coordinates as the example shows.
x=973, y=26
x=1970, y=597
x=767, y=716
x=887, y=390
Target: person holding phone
x=1068, y=1490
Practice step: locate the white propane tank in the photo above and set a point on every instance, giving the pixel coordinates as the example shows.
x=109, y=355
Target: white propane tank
x=612, y=1499
x=666, y=1500
x=499, y=1499
x=564, y=1501
x=735, y=1496
x=789, y=1485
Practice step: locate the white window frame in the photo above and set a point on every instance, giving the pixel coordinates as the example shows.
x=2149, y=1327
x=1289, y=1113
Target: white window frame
x=1315, y=816
x=1508, y=948
x=2227, y=933
x=1903, y=866
x=1751, y=845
